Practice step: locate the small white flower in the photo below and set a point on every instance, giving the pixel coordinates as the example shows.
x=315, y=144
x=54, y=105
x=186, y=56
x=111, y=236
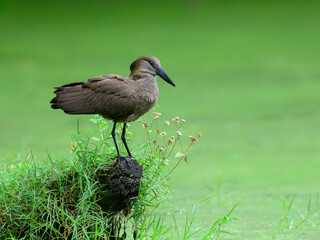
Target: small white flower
x=162, y=134
x=167, y=123
x=179, y=133
x=182, y=120
x=156, y=115
x=176, y=120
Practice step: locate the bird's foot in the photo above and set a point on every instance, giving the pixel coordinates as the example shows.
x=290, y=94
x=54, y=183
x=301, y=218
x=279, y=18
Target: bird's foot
x=129, y=160
x=126, y=159
x=129, y=165
x=119, y=160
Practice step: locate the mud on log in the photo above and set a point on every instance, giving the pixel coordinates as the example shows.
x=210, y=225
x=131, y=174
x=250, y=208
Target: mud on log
x=119, y=184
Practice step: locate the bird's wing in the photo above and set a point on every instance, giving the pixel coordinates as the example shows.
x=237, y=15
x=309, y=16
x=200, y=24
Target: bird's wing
x=69, y=98
x=112, y=96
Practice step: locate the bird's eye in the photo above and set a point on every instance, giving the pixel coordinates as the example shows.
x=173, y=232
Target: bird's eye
x=151, y=62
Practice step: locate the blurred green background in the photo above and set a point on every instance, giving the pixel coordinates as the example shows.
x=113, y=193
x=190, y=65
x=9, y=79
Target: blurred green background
x=246, y=73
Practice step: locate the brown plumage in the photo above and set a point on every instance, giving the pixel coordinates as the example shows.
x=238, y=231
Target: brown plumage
x=114, y=97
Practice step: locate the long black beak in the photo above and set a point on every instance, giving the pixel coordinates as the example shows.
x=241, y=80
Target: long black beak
x=164, y=75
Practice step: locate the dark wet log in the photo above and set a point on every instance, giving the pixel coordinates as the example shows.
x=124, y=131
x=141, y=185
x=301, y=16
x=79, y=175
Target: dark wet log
x=119, y=184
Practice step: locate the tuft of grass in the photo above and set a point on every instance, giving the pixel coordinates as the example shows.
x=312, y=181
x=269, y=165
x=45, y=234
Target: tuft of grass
x=287, y=221
x=59, y=198
x=53, y=198
x=217, y=227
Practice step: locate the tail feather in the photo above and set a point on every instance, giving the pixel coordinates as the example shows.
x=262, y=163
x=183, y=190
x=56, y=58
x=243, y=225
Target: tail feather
x=54, y=103
x=70, y=99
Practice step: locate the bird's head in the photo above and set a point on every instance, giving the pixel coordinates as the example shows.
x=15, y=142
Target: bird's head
x=150, y=65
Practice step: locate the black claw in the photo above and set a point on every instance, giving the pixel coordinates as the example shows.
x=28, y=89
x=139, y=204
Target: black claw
x=119, y=161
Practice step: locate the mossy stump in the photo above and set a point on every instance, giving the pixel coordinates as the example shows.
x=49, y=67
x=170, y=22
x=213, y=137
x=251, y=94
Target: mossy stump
x=119, y=184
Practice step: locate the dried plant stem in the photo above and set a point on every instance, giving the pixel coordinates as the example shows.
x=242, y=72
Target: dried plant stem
x=185, y=152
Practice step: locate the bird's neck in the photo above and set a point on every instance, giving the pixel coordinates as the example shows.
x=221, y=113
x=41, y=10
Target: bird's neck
x=137, y=75
x=148, y=87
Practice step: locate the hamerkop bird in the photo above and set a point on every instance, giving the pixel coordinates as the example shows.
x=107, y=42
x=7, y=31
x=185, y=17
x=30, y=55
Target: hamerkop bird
x=114, y=97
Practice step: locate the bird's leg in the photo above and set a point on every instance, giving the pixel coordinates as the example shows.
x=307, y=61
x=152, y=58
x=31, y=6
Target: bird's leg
x=115, y=140
x=123, y=137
